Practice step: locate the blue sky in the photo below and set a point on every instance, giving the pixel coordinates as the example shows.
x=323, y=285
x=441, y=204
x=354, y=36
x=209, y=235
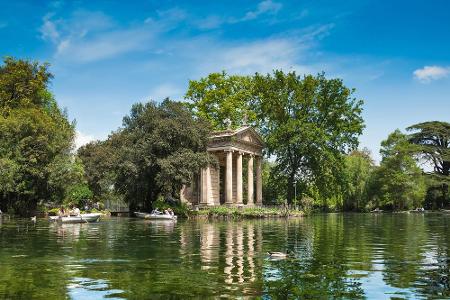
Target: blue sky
x=107, y=55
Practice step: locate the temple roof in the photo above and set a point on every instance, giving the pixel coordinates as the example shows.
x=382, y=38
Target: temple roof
x=245, y=138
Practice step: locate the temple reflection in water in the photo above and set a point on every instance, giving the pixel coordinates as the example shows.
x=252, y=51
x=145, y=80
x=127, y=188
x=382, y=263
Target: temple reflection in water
x=231, y=247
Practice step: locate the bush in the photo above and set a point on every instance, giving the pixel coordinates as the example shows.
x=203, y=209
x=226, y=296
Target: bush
x=78, y=195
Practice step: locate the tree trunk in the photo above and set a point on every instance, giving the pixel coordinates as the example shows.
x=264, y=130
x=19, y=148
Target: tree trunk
x=290, y=188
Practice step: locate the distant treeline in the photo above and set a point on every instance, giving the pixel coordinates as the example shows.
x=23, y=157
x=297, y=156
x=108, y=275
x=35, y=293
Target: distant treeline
x=310, y=125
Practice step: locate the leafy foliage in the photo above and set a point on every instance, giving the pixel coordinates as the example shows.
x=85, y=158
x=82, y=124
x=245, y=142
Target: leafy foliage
x=158, y=149
x=79, y=195
x=433, y=141
x=220, y=98
x=99, y=159
x=35, y=136
x=358, y=171
x=398, y=182
x=308, y=123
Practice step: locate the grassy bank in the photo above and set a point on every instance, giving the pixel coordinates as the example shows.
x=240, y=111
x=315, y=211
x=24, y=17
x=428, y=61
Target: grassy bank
x=242, y=213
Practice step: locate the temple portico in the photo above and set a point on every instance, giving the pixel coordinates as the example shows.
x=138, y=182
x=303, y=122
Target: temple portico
x=237, y=151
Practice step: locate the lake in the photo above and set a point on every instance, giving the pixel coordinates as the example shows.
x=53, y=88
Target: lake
x=376, y=256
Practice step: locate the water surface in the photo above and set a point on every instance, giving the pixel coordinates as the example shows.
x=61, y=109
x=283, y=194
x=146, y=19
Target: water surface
x=375, y=256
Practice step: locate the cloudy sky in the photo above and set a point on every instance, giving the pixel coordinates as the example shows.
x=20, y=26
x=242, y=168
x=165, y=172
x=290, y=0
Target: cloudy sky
x=107, y=55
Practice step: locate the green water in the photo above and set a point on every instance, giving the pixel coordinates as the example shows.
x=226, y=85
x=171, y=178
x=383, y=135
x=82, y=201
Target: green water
x=374, y=256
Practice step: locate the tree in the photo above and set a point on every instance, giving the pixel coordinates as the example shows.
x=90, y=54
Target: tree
x=99, y=159
x=274, y=184
x=398, y=183
x=220, y=98
x=159, y=148
x=24, y=84
x=358, y=168
x=308, y=124
x=35, y=134
x=433, y=140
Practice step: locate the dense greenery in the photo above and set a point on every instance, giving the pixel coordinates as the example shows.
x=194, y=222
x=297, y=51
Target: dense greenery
x=308, y=122
x=220, y=99
x=156, y=151
x=358, y=172
x=36, y=139
x=433, y=140
x=310, y=125
x=398, y=182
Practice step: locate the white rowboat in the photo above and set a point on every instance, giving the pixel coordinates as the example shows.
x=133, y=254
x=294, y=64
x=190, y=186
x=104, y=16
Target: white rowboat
x=148, y=216
x=83, y=218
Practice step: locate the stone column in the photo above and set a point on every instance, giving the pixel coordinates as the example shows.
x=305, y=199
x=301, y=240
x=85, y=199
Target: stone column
x=250, y=198
x=229, y=179
x=259, y=180
x=208, y=186
x=239, y=179
x=205, y=186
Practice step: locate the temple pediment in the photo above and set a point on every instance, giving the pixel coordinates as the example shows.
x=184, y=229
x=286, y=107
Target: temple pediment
x=244, y=139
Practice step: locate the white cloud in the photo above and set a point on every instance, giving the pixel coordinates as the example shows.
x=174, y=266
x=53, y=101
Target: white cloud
x=264, y=7
x=290, y=52
x=103, y=46
x=261, y=56
x=210, y=22
x=82, y=139
x=48, y=30
x=430, y=73
x=90, y=36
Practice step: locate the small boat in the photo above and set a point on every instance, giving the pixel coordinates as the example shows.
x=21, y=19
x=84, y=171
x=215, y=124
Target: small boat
x=83, y=218
x=155, y=216
x=418, y=210
x=376, y=210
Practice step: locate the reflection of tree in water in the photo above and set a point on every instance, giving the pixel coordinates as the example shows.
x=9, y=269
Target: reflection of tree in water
x=332, y=255
x=30, y=265
x=433, y=280
x=406, y=237
x=317, y=266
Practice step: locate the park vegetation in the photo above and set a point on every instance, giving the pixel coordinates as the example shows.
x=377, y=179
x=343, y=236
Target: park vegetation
x=310, y=124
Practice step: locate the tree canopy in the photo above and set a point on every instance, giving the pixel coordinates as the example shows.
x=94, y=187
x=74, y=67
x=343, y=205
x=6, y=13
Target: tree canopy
x=433, y=145
x=308, y=123
x=222, y=99
x=35, y=136
x=398, y=182
x=156, y=151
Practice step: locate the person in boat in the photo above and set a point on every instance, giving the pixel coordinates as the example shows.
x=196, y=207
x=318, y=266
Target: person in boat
x=170, y=211
x=62, y=211
x=75, y=211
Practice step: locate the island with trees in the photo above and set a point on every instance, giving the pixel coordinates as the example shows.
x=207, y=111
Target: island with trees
x=310, y=125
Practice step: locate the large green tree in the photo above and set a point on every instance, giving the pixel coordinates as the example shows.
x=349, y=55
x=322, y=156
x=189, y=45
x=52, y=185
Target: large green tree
x=160, y=147
x=35, y=134
x=358, y=169
x=433, y=141
x=308, y=124
x=224, y=100
x=398, y=182
x=99, y=159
